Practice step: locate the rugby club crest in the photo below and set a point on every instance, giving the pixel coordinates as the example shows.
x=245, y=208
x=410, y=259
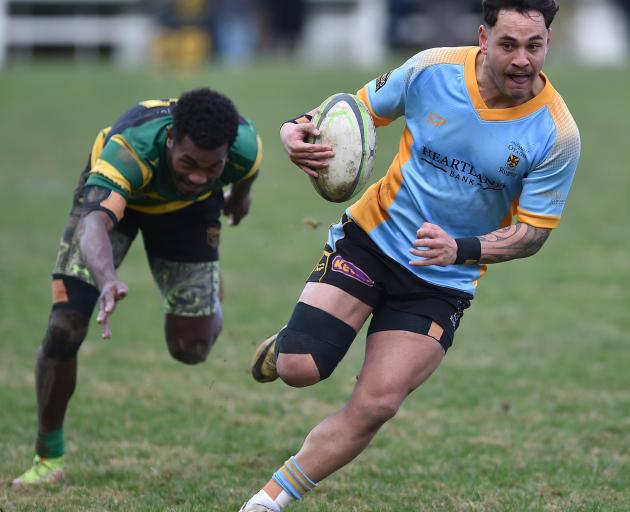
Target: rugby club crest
x=513, y=160
x=212, y=236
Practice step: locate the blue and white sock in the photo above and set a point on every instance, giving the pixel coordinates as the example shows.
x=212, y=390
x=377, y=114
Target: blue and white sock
x=293, y=480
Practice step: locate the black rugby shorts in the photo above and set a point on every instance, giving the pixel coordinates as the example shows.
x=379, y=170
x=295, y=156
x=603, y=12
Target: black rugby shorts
x=401, y=300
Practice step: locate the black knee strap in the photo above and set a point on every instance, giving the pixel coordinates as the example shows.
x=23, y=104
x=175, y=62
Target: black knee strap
x=314, y=331
x=64, y=335
x=79, y=295
x=73, y=299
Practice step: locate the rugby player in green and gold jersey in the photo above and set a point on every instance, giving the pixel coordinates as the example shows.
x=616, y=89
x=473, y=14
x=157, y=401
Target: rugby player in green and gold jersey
x=159, y=169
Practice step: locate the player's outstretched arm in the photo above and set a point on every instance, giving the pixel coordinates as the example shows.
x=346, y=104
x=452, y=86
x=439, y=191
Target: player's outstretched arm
x=308, y=157
x=434, y=246
x=96, y=250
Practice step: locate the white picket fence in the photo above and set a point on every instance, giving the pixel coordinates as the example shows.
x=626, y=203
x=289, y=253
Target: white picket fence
x=126, y=30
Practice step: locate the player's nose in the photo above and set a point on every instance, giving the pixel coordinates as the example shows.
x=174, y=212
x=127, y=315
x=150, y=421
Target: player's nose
x=520, y=59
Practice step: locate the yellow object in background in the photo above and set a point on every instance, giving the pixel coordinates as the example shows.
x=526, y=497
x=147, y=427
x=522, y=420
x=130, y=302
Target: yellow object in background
x=184, y=49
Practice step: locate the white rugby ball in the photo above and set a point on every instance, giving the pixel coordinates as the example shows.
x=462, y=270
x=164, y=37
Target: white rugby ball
x=346, y=125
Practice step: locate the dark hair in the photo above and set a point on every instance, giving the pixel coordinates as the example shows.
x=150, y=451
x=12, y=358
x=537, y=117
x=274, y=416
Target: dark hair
x=207, y=117
x=491, y=8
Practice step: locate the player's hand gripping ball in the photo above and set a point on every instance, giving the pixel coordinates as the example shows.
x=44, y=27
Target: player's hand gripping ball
x=346, y=125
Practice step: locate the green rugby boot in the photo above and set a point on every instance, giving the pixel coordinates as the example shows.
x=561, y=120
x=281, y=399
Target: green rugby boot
x=43, y=471
x=263, y=367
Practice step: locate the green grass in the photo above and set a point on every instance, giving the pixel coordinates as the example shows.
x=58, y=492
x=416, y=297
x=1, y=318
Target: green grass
x=530, y=411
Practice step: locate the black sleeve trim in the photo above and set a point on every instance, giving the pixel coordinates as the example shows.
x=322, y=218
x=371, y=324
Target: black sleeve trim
x=302, y=118
x=93, y=208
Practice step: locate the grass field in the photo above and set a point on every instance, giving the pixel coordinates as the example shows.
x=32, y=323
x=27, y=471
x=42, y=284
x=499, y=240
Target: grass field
x=529, y=412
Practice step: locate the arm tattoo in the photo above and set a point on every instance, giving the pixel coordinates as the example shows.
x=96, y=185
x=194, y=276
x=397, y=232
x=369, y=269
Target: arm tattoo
x=518, y=241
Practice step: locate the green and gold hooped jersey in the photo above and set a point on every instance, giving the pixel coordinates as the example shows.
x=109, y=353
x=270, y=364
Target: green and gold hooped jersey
x=130, y=158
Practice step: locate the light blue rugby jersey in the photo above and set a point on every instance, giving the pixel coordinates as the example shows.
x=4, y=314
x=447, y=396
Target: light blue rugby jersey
x=461, y=165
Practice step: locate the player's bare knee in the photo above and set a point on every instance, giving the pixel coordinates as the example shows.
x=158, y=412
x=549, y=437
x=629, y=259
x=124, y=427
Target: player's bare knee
x=297, y=370
x=383, y=410
x=190, y=338
x=190, y=351
x=65, y=332
x=370, y=412
x=321, y=340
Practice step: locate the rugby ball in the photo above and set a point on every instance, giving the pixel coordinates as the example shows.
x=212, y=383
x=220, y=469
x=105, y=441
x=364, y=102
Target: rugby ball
x=346, y=125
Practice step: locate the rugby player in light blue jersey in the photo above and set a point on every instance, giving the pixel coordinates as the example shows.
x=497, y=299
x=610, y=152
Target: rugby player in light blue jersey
x=483, y=170
x=160, y=169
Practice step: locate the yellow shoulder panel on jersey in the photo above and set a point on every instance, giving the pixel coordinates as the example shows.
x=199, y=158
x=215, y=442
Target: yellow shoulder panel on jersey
x=144, y=168
x=157, y=103
x=256, y=164
x=364, y=97
x=108, y=171
x=454, y=55
x=567, y=134
x=434, y=56
x=97, y=147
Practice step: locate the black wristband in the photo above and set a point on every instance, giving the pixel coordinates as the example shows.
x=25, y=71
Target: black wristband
x=468, y=250
x=296, y=120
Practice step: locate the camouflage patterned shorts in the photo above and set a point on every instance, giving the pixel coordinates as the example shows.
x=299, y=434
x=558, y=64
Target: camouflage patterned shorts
x=189, y=288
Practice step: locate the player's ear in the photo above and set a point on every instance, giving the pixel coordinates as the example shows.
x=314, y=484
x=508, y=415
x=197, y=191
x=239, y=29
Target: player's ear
x=549, y=39
x=169, y=137
x=483, y=39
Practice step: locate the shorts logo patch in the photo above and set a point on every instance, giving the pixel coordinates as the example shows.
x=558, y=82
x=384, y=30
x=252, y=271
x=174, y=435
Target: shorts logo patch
x=59, y=292
x=351, y=270
x=212, y=237
x=319, y=267
x=436, y=331
x=456, y=317
x=382, y=80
